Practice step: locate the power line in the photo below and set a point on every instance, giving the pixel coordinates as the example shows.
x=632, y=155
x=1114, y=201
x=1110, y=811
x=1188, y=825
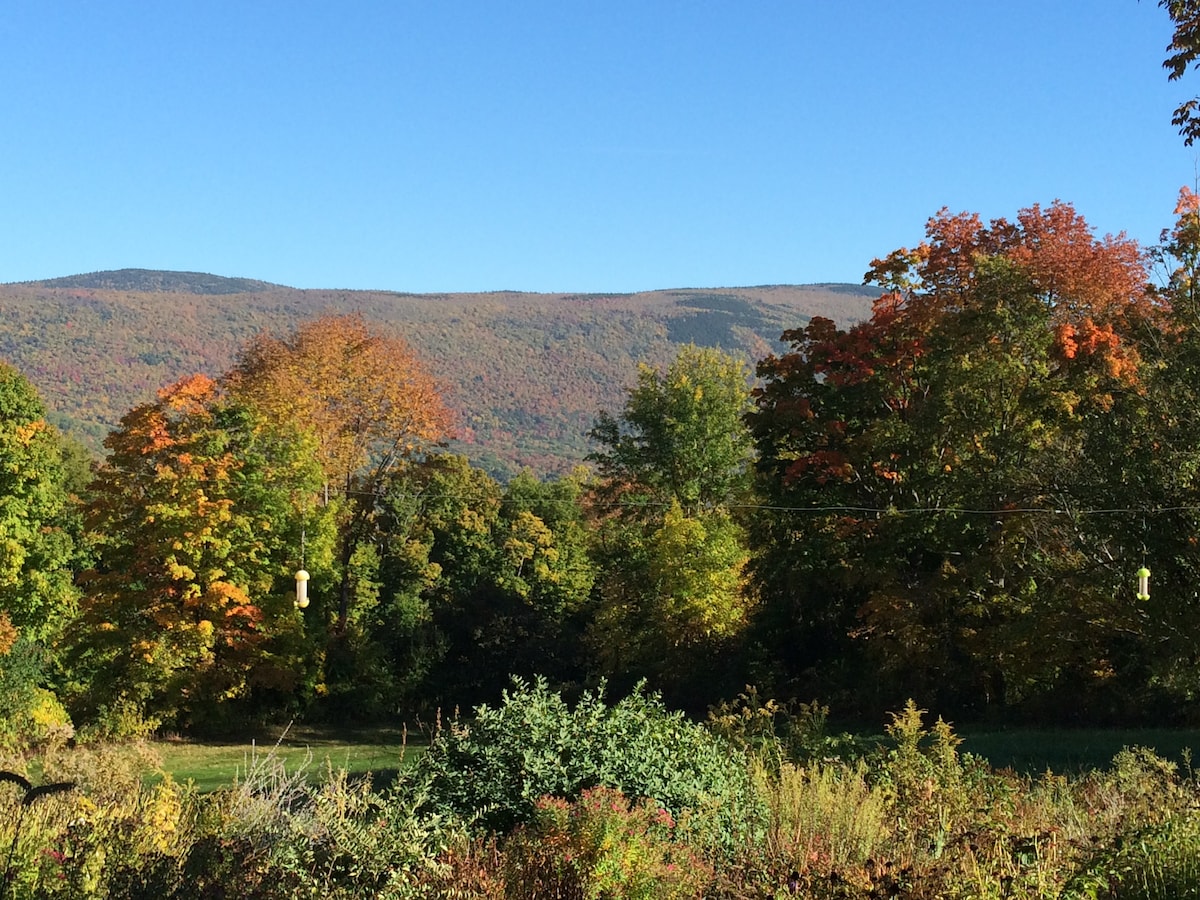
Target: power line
x=835, y=508
x=963, y=510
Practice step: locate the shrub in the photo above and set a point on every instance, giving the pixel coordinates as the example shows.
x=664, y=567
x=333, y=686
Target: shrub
x=777, y=732
x=339, y=839
x=533, y=745
x=929, y=782
x=824, y=817
x=272, y=836
x=29, y=713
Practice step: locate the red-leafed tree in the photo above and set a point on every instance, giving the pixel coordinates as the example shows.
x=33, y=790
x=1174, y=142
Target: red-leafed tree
x=899, y=455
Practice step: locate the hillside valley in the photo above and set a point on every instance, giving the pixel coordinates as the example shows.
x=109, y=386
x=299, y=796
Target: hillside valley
x=525, y=373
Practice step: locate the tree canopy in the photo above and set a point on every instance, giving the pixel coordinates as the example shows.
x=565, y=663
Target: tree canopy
x=361, y=391
x=37, y=547
x=931, y=471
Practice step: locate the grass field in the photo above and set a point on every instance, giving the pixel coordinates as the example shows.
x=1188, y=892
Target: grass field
x=1071, y=751
x=214, y=764
x=382, y=751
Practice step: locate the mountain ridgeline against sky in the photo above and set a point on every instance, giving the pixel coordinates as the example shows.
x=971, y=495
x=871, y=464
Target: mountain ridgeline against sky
x=157, y=280
x=524, y=373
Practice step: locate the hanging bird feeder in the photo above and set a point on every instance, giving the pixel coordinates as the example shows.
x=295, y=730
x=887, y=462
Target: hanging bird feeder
x=1143, y=577
x=301, y=589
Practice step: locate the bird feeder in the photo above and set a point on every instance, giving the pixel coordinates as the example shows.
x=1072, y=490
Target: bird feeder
x=1143, y=577
x=301, y=589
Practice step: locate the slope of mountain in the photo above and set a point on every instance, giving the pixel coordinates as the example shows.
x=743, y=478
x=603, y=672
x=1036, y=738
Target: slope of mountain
x=525, y=373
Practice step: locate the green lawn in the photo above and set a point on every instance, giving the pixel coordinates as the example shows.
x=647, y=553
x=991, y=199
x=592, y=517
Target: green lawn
x=382, y=751
x=1071, y=751
x=215, y=764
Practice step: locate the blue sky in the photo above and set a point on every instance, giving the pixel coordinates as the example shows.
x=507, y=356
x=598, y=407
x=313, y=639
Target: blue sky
x=567, y=145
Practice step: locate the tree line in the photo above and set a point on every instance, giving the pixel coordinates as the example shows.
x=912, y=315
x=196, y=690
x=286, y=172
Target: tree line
x=948, y=501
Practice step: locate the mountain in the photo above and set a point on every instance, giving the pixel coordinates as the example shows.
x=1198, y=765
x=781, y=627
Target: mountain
x=526, y=373
x=156, y=280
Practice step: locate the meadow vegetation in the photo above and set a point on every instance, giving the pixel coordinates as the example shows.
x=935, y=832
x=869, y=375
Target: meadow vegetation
x=536, y=797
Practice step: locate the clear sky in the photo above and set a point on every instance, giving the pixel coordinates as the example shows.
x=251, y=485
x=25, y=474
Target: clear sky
x=565, y=145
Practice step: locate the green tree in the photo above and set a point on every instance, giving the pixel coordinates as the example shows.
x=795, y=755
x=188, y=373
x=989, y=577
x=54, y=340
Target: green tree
x=675, y=594
x=37, y=545
x=545, y=542
x=680, y=436
x=478, y=581
x=674, y=467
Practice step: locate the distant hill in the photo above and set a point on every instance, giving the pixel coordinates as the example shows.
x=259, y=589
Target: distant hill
x=526, y=373
x=156, y=280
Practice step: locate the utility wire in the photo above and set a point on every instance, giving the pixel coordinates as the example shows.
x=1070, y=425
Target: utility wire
x=837, y=508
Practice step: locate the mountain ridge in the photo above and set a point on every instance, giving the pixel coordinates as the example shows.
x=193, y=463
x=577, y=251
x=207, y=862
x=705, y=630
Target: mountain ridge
x=161, y=280
x=525, y=372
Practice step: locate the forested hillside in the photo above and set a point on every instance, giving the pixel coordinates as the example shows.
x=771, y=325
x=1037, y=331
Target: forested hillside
x=524, y=374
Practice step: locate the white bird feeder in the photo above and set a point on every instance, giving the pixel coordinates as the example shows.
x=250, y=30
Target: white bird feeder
x=301, y=589
x=1143, y=577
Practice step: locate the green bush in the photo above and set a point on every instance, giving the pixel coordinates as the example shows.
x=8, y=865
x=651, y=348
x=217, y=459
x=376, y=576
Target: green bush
x=29, y=713
x=533, y=744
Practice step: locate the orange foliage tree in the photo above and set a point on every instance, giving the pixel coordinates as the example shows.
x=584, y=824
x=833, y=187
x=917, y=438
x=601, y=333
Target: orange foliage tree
x=365, y=397
x=195, y=536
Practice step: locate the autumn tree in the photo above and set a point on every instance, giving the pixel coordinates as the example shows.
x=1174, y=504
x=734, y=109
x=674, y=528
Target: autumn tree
x=926, y=469
x=197, y=532
x=365, y=397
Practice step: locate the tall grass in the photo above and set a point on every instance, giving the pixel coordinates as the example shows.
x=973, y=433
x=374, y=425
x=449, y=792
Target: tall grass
x=825, y=817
